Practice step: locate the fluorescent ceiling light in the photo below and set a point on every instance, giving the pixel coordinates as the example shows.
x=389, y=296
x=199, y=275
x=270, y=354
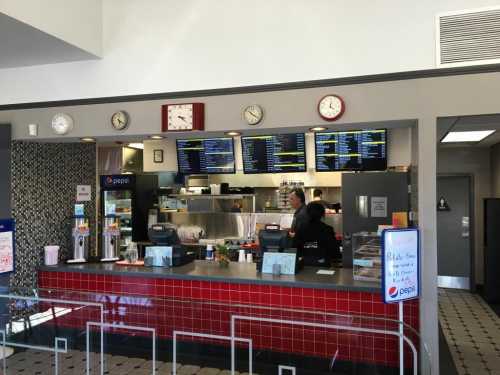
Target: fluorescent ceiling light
x=467, y=136
x=139, y=146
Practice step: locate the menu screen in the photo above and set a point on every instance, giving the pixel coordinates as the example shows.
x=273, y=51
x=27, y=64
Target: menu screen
x=280, y=153
x=359, y=150
x=205, y=156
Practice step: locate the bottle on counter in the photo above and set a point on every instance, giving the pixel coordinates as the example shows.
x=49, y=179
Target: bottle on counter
x=210, y=252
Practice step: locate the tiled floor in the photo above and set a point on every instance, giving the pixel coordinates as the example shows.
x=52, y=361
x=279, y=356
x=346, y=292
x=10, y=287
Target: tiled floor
x=472, y=331
x=73, y=363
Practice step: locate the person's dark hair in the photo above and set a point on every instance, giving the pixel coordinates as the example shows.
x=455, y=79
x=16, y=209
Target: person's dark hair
x=299, y=193
x=317, y=193
x=315, y=211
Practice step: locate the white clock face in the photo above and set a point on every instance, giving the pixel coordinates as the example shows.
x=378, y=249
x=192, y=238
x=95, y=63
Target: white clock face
x=253, y=114
x=180, y=117
x=62, y=123
x=331, y=107
x=120, y=120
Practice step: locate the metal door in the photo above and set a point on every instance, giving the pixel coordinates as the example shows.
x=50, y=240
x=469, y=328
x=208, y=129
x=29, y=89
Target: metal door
x=454, y=225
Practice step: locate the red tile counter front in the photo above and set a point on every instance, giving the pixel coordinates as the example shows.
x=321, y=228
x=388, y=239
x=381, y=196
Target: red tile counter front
x=207, y=306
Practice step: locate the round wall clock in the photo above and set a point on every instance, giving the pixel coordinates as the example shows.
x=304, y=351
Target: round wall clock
x=253, y=114
x=120, y=120
x=62, y=123
x=331, y=107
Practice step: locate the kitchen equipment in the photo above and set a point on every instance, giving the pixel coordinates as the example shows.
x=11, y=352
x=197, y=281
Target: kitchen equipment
x=129, y=197
x=241, y=257
x=81, y=235
x=111, y=239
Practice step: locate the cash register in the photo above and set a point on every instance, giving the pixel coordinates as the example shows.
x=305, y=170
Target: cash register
x=165, y=239
x=276, y=240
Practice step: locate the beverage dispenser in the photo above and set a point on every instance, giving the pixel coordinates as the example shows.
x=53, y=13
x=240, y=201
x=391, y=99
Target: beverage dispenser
x=81, y=236
x=111, y=239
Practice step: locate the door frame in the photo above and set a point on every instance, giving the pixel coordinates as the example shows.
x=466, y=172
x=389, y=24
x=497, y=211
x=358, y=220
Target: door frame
x=472, y=223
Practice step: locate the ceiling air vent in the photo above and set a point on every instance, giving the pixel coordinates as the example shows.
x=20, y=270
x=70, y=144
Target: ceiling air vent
x=470, y=37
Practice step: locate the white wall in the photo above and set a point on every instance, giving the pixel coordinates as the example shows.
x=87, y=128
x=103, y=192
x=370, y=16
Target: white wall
x=167, y=46
x=78, y=22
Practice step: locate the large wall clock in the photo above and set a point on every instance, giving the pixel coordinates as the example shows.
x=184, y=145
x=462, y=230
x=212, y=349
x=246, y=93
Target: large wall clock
x=183, y=117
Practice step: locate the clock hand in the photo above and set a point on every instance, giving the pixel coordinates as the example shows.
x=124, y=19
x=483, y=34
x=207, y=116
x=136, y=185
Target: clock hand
x=255, y=116
x=182, y=118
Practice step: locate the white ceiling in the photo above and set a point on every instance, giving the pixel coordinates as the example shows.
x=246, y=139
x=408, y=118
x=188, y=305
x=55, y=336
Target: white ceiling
x=24, y=45
x=468, y=123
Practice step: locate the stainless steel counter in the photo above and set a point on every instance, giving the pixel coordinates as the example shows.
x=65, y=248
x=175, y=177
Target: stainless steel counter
x=236, y=273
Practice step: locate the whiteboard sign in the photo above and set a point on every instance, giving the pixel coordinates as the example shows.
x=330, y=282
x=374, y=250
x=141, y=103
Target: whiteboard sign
x=6, y=246
x=400, y=264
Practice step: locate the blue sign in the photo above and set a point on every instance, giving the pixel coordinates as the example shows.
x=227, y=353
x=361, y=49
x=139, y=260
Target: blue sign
x=400, y=264
x=7, y=245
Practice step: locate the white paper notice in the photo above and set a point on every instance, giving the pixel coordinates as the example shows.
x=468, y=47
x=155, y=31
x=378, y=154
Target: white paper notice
x=83, y=193
x=326, y=272
x=6, y=252
x=379, y=206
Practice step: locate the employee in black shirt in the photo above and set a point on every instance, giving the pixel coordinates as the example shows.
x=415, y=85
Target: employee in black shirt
x=318, y=198
x=316, y=241
x=297, y=200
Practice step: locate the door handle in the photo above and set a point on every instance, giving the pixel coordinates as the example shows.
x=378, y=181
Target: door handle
x=465, y=227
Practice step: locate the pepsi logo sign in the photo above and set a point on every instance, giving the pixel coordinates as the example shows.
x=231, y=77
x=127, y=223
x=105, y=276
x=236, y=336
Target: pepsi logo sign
x=393, y=291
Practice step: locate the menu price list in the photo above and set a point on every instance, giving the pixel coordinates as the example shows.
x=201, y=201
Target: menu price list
x=351, y=150
x=214, y=155
x=274, y=153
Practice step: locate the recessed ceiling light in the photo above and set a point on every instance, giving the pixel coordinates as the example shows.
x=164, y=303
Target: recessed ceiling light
x=156, y=137
x=139, y=146
x=87, y=140
x=317, y=129
x=232, y=133
x=466, y=136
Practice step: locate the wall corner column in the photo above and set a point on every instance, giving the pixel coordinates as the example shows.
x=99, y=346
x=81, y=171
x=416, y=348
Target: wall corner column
x=427, y=218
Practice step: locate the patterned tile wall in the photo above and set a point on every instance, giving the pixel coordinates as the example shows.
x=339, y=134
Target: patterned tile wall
x=44, y=180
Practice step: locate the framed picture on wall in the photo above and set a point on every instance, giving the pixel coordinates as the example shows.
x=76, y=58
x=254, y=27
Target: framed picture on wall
x=158, y=156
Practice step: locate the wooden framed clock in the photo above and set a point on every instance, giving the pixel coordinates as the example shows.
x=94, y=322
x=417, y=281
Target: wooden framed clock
x=181, y=117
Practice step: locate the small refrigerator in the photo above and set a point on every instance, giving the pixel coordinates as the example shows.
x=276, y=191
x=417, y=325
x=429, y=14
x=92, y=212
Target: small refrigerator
x=130, y=197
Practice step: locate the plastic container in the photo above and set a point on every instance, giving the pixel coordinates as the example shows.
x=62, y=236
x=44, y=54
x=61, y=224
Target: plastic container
x=210, y=252
x=51, y=255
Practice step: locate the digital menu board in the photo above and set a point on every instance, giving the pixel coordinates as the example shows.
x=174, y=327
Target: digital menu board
x=205, y=156
x=280, y=153
x=355, y=150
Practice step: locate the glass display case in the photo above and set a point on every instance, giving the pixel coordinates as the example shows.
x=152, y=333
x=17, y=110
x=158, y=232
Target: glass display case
x=120, y=201
x=367, y=256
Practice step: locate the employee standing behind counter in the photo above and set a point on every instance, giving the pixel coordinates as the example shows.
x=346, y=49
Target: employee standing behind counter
x=316, y=241
x=297, y=200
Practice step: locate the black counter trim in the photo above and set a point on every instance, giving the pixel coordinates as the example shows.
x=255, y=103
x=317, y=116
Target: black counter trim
x=166, y=274
x=374, y=78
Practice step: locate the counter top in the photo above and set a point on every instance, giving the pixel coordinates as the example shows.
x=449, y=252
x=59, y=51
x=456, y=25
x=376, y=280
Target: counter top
x=236, y=273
